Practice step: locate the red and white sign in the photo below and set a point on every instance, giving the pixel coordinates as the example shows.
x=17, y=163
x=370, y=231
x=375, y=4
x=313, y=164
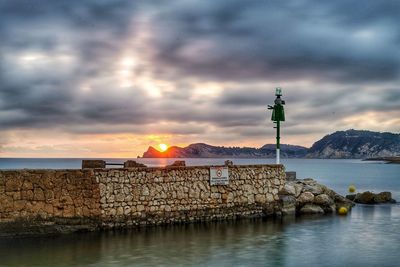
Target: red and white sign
x=219, y=176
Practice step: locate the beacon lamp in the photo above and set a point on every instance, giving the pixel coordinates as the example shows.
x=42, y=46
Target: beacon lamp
x=278, y=115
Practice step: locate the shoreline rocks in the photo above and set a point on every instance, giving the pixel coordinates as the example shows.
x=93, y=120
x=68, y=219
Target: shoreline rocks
x=371, y=198
x=309, y=197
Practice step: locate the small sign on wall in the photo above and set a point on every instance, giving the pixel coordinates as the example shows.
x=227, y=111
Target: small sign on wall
x=219, y=176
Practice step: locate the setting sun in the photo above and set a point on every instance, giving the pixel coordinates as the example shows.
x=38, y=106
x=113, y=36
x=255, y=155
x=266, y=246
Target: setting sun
x=163, y=147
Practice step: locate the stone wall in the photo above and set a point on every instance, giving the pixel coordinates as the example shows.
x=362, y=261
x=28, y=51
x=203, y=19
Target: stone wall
x=105, y=198
x=48, y=193
x=180, y=194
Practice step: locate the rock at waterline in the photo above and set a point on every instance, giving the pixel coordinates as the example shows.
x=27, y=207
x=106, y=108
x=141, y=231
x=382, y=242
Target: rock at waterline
x=371, y=198
x=311, y=209
x=306, y=197
x=323, y=200
x=309, y=197
x=288, y=205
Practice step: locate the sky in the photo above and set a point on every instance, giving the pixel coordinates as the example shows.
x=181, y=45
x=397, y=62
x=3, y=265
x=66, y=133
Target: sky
x=104, y=78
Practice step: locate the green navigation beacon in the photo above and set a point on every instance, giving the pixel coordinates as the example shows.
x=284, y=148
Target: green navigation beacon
x=278, y=115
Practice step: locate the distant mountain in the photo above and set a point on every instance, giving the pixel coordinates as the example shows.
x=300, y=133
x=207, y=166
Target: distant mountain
x=356, y=144
x=201, y=150
x=288, y=151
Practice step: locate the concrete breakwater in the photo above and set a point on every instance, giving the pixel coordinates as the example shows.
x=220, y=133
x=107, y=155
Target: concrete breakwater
x=52, y=201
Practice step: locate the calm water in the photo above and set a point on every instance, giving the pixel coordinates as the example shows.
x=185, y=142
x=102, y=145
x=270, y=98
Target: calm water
x=368, y=236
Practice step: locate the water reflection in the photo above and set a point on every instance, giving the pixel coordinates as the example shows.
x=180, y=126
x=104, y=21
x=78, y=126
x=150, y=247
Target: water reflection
x=368, y=236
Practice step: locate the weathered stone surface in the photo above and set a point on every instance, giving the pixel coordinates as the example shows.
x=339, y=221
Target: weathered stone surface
x=306, y=197
x=6, y=204
x=365, y=198
x=316, y=195
x=371, y=198
x=27, y=185
x=314, y=188
x=290, y=176
x=331, y=208
x=13, y=184
x=311, y=209
x=89, y=164
x=228, y=163
x=141, y=195
x=288, y=204
x=167, y=190
x=19, y=205
x=298, y=188
x=323, y=200
x=383, y=197
x=288, y=189
x=178, y=163
x=133, y=164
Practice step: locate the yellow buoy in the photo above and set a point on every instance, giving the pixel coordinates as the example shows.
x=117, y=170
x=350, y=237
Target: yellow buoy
x=342, y=211
x=352, y=188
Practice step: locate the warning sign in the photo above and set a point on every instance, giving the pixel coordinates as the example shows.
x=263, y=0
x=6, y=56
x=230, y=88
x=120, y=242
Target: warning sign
x=219, y=176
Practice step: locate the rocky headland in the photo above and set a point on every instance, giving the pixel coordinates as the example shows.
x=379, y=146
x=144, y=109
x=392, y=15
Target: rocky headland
x=201, y=150
x=350, y=144
x=356, y=144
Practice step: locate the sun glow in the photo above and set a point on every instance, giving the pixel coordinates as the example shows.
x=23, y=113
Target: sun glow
x=163, y=147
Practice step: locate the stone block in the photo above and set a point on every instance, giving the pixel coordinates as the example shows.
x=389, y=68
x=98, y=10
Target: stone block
x=38, y=194
x=288, y=189
x=27, y=185
x=19, y=205
x=323, y=200
x=383, y=197
x=260, y=198
x=13, y=184
x=290, y=176
x=365, y=198
x=6, y=203
x=178, y=163
x=315, y=189
x=133, y=164
x=306, y=197
x=298, y=188
x=120, y=211
x=228, y=163
x=140, y=208
x=311, y=209
x=93, y=164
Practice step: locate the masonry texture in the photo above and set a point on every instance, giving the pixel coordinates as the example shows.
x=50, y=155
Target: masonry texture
x=41, y=201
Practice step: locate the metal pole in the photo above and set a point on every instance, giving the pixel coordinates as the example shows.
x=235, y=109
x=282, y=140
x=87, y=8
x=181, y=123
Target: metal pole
x=278, y=146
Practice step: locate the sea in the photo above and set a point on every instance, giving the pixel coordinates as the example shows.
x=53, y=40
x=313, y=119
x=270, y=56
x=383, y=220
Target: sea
x=368, y=236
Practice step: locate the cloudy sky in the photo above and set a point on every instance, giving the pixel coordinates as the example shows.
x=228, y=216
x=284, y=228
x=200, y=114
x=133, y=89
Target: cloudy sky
x=103, y=78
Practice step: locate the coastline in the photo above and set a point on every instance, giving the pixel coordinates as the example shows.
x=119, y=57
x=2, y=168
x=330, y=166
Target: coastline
x=388, y=160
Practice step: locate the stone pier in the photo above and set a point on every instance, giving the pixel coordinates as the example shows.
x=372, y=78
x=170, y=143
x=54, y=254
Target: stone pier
x=53, y=201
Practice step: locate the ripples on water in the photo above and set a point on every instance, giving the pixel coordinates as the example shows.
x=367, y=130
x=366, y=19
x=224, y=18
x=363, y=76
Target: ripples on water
x=368, y=236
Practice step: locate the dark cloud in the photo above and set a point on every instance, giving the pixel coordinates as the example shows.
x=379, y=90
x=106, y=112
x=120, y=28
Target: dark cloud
x=280, y=41
x=335, y=59
x=246, y=97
